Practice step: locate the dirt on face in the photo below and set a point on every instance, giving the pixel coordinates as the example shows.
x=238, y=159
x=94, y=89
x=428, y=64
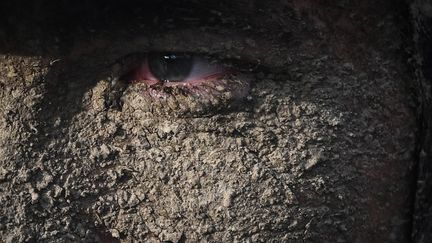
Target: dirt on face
x=320, y=150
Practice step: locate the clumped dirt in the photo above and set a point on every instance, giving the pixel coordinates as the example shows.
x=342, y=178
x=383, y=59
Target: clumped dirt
x=321, y=150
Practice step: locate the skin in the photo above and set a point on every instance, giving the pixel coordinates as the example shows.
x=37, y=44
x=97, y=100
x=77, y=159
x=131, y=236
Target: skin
x=321, y=150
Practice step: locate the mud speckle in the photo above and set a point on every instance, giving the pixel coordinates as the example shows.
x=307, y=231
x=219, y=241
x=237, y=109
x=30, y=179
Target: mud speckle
x=320, y=150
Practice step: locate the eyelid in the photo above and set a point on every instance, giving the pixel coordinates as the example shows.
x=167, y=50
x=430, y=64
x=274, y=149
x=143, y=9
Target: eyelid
x=177, y=98
x=132, y=61
x=270, y=54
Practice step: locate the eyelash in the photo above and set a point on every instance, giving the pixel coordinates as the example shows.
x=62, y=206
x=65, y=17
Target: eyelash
x=224, y=85
x=128, y=62
x=200, y=70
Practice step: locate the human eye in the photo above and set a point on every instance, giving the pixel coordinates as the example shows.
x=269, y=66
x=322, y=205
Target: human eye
x=178, y=69
x=179, y=83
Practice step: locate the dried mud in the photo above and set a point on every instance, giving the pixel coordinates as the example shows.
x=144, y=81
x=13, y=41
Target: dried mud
x=321, y=150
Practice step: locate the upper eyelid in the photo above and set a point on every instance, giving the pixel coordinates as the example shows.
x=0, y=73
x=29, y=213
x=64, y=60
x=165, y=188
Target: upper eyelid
x=122, y=66
x=213, y=44
x=229, y=45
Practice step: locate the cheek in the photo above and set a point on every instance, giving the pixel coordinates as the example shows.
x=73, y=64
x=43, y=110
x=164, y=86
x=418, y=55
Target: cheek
x=238, y=163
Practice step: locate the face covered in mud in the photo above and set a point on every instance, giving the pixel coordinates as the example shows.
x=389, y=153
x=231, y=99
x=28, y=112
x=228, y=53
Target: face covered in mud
x=213, y=122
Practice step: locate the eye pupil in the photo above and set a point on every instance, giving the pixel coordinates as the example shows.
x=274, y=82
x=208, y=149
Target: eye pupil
x=169, y=67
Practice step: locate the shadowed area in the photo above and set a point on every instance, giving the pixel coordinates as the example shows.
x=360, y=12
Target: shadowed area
x=322, y=151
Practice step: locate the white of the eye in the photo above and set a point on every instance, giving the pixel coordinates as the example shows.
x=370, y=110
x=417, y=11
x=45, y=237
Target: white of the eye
x=202, y=68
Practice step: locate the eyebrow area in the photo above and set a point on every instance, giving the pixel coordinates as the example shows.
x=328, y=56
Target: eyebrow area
x=64, y=21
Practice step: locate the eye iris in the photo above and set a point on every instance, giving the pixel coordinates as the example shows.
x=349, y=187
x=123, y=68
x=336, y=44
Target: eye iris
x=169, y=67
x=178, y=83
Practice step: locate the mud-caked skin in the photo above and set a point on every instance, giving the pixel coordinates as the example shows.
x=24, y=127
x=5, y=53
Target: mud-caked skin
x=320, y=149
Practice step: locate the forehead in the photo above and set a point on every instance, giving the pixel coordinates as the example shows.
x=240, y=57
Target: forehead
x=346, y=25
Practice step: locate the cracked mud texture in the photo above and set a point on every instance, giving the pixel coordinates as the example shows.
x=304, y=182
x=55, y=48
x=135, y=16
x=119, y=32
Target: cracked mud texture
x=321, y=150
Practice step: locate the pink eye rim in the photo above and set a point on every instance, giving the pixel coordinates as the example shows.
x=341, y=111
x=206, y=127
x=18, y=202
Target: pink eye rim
x=203, y=70
x=217, y=85
x=215, y=90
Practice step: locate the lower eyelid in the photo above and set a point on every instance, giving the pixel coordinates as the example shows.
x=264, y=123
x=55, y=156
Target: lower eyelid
x=187, y=100
x=200, y=93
